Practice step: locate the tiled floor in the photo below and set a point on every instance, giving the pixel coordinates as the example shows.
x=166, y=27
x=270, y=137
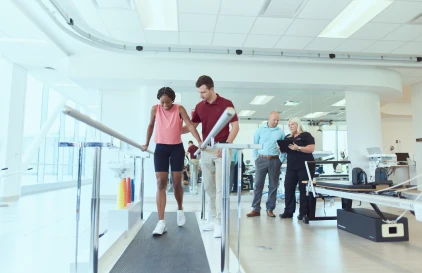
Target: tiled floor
x=37, y=234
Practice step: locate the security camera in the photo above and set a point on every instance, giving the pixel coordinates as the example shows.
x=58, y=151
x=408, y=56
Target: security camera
x=139, y=48
x=332, y=56
x=419, y=59
x=239, y=51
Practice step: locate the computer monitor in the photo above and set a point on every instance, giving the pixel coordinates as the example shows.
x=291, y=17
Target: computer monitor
x=402, y=157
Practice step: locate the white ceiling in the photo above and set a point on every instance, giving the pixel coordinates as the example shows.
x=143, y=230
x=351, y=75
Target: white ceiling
x=236, y=24
x=310, y=101
x=218, y=24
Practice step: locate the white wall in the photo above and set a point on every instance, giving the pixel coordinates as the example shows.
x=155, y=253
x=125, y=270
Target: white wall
x=12, y=91
x=400, y=129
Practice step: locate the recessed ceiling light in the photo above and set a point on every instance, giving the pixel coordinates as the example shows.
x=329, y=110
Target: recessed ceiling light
x=246, y=113
x=316, y=115
x=353, y=17
x=291, y=103
x=260, y=100
x=158, y=14
x=340, y=103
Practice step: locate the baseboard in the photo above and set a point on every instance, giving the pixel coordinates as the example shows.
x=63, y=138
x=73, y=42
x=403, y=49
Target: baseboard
x=9, y=198
x=37, y=188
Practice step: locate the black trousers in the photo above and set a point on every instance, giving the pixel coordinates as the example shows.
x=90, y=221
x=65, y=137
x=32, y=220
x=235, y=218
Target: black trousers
x=293, y=177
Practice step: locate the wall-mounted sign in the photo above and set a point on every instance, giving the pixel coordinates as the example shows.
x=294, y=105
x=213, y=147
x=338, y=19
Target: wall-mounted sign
x=419, y=140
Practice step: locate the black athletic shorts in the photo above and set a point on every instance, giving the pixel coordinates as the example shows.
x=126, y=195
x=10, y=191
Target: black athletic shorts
x=166, y=155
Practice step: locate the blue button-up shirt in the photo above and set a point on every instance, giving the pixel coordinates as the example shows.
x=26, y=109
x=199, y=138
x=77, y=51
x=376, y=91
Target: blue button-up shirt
x=234, y=156
x=268, y=138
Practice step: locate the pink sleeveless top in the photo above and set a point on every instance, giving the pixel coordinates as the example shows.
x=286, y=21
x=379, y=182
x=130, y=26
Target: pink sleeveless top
x=168, y=125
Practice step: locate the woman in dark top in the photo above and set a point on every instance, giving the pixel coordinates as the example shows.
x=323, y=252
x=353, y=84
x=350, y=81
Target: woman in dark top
x=302, y=148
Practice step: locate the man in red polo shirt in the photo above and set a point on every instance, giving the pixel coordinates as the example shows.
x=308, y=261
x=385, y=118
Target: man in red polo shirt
x=194, y=165
x=191, y=150
x=207, y=112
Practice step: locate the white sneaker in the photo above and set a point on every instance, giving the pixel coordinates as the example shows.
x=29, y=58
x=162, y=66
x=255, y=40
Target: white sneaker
x=217, y=231
x=208, y=226
x=181, y=219
x=160, y=228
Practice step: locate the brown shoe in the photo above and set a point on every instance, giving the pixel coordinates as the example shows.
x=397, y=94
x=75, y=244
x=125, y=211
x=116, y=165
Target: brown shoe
x=253, y=214
x=270, y=213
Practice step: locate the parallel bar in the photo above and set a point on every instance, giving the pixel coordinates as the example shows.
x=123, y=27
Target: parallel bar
x=95, y=212
x=225, y=118
x=225, y=211
x=78, y=205
x=141, y=188
x=202, y=200
x=237, y=146
x=99, y=126
x=239, y=208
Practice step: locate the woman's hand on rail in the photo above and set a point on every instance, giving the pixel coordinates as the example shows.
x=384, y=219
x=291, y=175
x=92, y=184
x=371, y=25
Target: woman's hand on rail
x=199, y=144
x=144, y=148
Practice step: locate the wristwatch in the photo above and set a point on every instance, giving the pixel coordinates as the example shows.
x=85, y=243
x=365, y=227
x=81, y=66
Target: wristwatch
x=298, y=148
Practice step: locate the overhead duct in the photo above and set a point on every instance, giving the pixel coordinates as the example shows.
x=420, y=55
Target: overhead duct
x=282, y=8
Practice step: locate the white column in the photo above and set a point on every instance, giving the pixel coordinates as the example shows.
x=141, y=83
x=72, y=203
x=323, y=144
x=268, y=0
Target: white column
x=363, y=118
x=12, y=91
x=417, y=128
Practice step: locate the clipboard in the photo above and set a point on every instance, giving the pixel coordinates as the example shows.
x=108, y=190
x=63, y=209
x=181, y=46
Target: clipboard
x=284, y=145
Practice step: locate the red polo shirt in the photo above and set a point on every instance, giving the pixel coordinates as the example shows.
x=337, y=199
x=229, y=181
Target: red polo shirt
x=209, y=113
x=192, y=149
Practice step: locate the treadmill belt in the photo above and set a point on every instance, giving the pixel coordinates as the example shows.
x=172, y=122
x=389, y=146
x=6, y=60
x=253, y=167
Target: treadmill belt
x=180, y=249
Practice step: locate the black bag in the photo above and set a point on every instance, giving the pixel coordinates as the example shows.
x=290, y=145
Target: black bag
x=359, y=177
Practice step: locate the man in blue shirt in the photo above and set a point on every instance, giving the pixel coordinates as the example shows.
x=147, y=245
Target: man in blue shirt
x=267, y=161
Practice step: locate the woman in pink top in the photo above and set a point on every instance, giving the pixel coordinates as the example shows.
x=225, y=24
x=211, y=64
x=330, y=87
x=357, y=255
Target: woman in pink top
x=169, y=151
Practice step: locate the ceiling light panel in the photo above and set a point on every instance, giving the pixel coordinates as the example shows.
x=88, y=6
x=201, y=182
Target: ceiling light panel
x=246, y=113
x=357, y=14
x=261, y=100
x=316, y=115
x=291, y=103
x=340, y=103
x=158, y=14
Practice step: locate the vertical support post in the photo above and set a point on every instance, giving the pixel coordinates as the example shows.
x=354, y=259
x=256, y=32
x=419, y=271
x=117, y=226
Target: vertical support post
x=202, y=200
x=225, y=211
x=78, y=204
x=239, y=195
x=95, y=212
x=141, y=188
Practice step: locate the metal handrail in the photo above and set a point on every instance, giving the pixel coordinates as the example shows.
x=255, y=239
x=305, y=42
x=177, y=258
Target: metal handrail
x=225, y=118
x=95, y=199
x=101, y=127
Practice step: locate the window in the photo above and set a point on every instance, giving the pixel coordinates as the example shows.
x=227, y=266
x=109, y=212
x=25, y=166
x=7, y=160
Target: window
x=51, y=163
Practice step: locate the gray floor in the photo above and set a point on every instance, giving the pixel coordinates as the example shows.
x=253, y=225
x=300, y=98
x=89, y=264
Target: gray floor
x=288, y=245
x=180, y=249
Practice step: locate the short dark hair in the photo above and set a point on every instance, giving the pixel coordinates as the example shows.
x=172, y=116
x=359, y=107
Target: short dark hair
x=190, y=141
x=204, y=79
x=166, y=91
